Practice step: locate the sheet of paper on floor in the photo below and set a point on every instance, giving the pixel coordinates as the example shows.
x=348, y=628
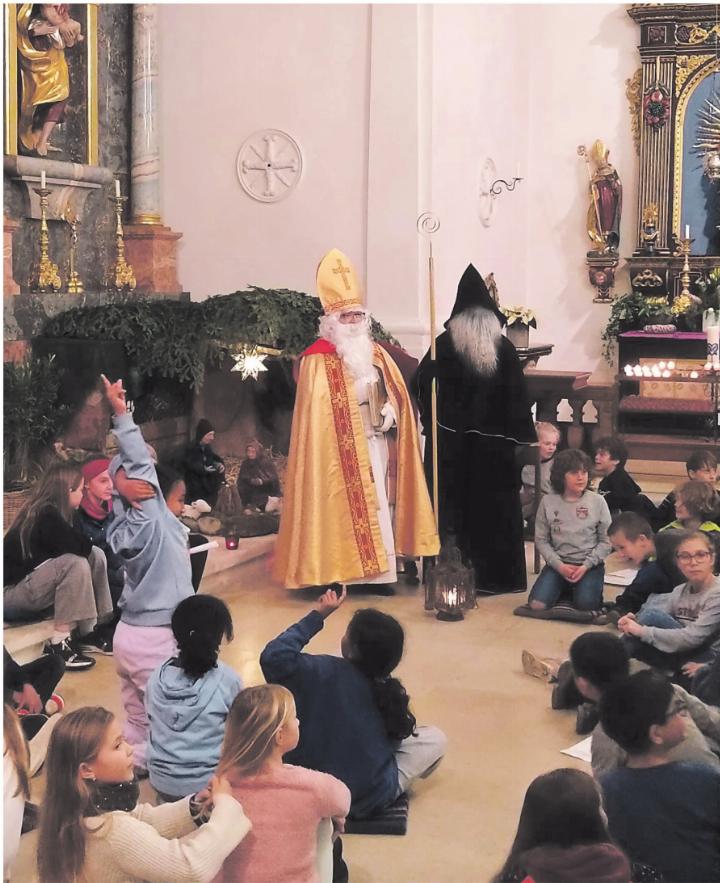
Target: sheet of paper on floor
x=621, y=577
x=581, y=750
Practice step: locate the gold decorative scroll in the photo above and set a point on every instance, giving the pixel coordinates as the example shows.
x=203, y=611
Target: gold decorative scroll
x=686, y=64
x=699, y=34
x=633, y=93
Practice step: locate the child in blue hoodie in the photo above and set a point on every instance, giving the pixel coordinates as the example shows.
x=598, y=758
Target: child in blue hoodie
x=153, y=545
x=188, y=699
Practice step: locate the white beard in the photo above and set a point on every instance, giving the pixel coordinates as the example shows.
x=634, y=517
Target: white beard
x=353, y=344
x=475, y=334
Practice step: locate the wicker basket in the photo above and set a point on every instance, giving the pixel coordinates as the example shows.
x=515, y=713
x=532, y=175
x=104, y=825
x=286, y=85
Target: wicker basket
x=13, y=501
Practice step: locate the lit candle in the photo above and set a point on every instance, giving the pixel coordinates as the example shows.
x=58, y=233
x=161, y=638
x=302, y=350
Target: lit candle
x=666, y=373
x=693, y=375
x=637, y=371
x=117, y=187
x=661, y=365
x=671, y=365
x=687, y=231
x=628, y=370
x=707, y=366
x=655, y=371
x=42, y=179
x=646, y=371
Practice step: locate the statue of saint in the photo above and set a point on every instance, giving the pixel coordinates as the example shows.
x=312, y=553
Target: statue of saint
x=603, y=220
x=44, y=31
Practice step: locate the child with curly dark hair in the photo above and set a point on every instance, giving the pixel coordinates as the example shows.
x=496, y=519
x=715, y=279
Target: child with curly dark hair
x=571, y=535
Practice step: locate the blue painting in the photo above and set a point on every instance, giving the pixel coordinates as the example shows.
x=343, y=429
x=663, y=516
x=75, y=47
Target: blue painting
x=700, y=206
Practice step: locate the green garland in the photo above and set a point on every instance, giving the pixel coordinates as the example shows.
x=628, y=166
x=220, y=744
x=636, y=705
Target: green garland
x=174, y=340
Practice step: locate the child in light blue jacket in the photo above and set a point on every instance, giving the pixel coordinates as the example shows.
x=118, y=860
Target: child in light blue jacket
x=153, y=546
x=188, y=698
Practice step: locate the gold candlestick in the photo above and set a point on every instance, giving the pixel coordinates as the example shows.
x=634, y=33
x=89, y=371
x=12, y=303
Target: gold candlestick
x=121, y=273
x=685, y=274
x=74, y=285
x=47, y=276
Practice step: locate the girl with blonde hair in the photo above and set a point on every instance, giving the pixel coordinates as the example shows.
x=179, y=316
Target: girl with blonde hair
x=285, y=803
x=92, y=829
x=50, y=564
x=16, y=760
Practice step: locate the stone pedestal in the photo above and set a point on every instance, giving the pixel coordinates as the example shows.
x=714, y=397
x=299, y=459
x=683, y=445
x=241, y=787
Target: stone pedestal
x=10, y=286
x=152, y=253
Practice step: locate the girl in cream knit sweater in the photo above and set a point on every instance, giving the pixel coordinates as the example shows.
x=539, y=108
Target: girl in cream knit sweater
x=92, y=831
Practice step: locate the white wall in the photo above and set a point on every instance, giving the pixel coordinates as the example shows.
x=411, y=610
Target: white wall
x=395, y=108
x=228, y=71
x=581, y=56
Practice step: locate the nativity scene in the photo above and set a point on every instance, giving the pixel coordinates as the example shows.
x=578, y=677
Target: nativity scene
x=361, y=394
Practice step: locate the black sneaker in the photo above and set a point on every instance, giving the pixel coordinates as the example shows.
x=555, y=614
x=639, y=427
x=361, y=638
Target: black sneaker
x=95, y=643
x=74, y=660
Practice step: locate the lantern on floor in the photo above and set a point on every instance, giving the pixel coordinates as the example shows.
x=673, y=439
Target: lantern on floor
x=450, y=586
x=231, y=539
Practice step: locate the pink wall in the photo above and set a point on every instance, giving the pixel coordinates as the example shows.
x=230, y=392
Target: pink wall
x=395, y=107
x=229, y=70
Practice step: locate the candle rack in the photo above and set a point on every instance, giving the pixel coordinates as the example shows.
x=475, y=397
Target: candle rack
x=47, y=277
x=121, y=276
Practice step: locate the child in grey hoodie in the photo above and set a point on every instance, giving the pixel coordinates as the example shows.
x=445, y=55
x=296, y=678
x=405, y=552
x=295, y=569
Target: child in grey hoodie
x=571, y=535
x=188, y=698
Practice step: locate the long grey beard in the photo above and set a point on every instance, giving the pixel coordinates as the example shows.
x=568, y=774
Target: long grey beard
x=353, y=344
x=475, y=334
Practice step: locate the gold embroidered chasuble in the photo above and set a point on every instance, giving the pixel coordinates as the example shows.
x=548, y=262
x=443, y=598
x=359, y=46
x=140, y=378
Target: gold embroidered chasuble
x=329, y=530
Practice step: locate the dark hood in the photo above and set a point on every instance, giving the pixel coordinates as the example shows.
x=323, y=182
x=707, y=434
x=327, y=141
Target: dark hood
x=593, y=863
x=472, y=292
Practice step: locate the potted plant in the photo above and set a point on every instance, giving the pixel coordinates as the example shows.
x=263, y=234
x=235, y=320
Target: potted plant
x=632, y=312
x=519, y=322
x=32, y=416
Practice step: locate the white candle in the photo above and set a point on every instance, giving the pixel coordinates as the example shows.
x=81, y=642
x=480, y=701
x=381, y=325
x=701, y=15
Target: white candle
x=117, y=187
x=628, y=370
x=655, y=371
x=637, y=371
x=671, y=365
x=693, y=375
x=42, y=179
x=687, y=231
x=661, y=365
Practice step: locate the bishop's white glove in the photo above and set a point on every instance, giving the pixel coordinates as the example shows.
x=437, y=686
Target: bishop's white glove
x=388, y=412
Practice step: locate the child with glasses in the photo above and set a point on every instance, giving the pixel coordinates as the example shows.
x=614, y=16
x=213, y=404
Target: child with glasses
x=662, y=813
x=672, y=630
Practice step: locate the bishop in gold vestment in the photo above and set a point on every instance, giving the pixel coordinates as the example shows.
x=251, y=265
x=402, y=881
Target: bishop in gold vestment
x=355, y=492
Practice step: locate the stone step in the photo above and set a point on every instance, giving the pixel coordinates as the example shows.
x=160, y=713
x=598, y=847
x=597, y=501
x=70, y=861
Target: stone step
x=25, y=642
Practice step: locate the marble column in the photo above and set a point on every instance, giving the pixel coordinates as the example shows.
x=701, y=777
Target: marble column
x=10, y=286
x=150, y=247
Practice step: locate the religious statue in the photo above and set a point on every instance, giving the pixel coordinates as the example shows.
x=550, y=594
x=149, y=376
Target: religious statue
x=483, y=414
x=44, y=31
x=355, y=493
x=603, y=219
x=649, y=232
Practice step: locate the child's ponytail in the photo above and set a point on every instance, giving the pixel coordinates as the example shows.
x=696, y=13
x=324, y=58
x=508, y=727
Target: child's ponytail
x=199, y=623
x=376, y=644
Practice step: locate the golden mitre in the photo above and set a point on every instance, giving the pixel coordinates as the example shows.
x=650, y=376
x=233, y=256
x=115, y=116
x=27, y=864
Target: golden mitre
x=338, y=286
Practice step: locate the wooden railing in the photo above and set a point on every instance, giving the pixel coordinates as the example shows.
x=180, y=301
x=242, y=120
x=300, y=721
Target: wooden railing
x=562, y=398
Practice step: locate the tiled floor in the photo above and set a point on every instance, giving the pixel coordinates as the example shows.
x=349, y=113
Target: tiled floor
x=465, y=677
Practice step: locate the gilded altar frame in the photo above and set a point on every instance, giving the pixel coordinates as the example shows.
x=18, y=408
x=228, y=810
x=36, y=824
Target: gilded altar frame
x=679, y=46
x=90, y=47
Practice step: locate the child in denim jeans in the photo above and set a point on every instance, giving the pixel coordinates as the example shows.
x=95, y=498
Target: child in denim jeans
x=571, y=535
